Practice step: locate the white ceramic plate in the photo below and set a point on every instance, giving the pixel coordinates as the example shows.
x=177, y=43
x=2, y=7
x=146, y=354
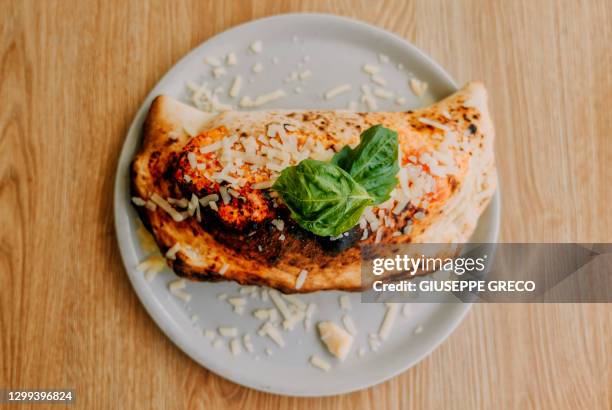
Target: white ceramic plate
x=334, y=49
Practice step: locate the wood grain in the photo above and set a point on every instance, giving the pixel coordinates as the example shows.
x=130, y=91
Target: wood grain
x=72, y=74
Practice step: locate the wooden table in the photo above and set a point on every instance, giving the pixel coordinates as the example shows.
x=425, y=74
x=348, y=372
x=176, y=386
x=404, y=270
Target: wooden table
x=72, y=74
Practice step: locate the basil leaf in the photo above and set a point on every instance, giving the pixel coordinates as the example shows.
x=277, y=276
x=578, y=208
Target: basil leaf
x=373, y=163
x=343, y=158
x=322, y=197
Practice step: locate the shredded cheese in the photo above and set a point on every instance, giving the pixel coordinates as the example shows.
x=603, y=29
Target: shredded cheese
x=349, y=325
x=235, y=88
x=388, y=321
x=138, y=201
x=345, y=302
x=235, y=347
x=382, y=93
x=268, y=329
x=163, y=204
x=227, y=331
x=171, y=254
x=319, y=363
x=177, y=288
x=231, y=59
x=305, y=74
x=435, y=124
x=337, y=91
x=248, y=345
x=280, y=303
x=224, y=268
x=418, y=87
x=336, y=339
x=299, y=282
x=371, y=69
x=256, y=47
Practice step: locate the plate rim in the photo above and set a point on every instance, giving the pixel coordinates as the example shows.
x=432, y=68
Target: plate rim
x=151, y=303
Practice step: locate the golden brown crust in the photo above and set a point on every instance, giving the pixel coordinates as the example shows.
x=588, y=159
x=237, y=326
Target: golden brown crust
x=450, y=217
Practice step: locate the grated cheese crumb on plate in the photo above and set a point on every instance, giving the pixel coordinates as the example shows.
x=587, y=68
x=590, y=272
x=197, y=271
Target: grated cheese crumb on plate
x=319, y=363
x=388, y=320
x=261, y=314
x=280, y=304
x=209, y=334
x=212, y=61
x=227, y=331
x=218, y=72
x=177, y=288
x=247, y=102
x=418, y=329
x=268, y=329
x=235, y=347
x=406, y=310
x=349, y=325
x=382, y=93
x=247, y=290
x=379, y=80
x=237, y=301
x=418, y=87
x=151, y=266
x=305, y=74
x=345, y=302
x=235, y=88
x=257, y=68
x=368, y=98
x=248, y=345
x=231, y=59
x=333, y=92
x=177, y=284
x=256, y=47
x=298, y=303
x=370, y=69
x=337, y=340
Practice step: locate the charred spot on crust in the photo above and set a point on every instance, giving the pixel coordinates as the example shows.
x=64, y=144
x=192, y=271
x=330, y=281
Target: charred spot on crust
x=453, y=183
x=154, y=169
x=347, y=240
x=473, y=128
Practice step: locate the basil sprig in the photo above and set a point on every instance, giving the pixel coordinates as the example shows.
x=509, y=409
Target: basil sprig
x=327, y=199
x=373, y=163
